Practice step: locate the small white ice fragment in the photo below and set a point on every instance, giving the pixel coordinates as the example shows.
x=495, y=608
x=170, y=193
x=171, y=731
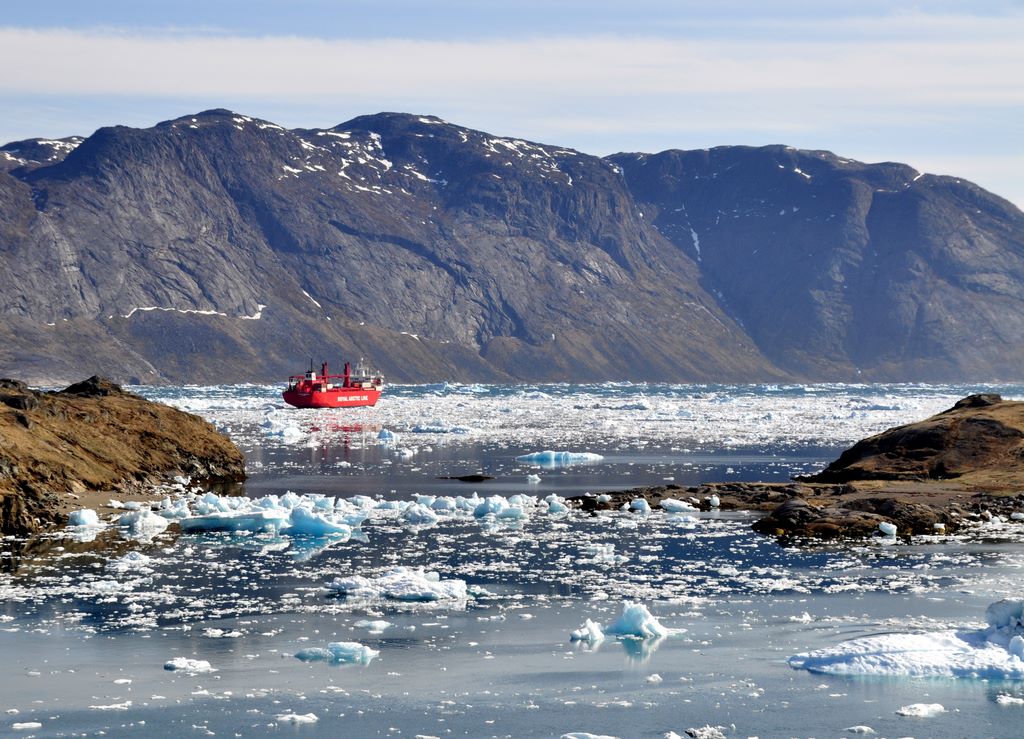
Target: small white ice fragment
x=921, y=710
x=26, y=726
x=191, y=666
x=887, y=529
x=654, y=679
x=588, y=632
x=296, y=718
x=860, y=729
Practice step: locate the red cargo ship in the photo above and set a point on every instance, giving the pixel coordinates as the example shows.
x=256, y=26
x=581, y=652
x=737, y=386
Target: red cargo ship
x=350, y=390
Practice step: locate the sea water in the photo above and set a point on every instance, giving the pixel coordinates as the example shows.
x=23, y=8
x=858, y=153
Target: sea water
x=91, y=618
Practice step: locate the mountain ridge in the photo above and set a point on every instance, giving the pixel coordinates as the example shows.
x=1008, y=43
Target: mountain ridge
x=218, y=245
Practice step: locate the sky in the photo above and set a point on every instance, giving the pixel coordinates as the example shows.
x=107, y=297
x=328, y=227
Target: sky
x=937, y=85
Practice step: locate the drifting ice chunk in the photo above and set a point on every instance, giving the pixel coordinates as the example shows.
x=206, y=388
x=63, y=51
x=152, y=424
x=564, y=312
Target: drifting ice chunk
x=191, y=666
x=419, y=515
x=589, y=632
x=174, y=509
x=713, y=501
x=887, y=529
x=993, y=653
x=676, y=506
x=556, y=504
x=303, y=521
x=550, y=458
x=129, y=563
x=83, y=517
x=142, y=522
x=296, y=718
x=533, y=479
x=401, y=583
x=257, y=520
x=636, y=620
x=493, y=505
x=373, y=626
x=640, y=505
x=921, y=710
x=341, y=651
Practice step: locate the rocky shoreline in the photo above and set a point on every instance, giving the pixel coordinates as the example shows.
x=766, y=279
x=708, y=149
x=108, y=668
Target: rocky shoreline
x=78, y=447
x=935, y=476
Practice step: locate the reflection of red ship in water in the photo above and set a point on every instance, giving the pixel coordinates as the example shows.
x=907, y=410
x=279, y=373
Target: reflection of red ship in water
x=350, y=390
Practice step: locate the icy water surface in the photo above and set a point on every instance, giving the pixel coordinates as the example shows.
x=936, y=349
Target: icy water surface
x=87, y=623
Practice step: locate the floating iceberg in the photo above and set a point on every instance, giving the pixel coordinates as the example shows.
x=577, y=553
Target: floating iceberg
x=636, y=621
x=84, y=517
x=296, y=718
x=292, y=514
x=142, y=522
x=191, y=666
x=550, y=458
x=419, y=515
x=490, y=506
x=254, y=521
x=401, y=583
x=342, y=651
x=996, y=652
x=588, y=632
x=307, y=522
x=676, y=506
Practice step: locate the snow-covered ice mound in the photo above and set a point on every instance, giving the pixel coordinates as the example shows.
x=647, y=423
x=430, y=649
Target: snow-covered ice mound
x=401, y=583
x=341, y=651
x=996, y=652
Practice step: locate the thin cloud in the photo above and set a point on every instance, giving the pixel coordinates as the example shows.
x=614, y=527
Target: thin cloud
x=972, y=71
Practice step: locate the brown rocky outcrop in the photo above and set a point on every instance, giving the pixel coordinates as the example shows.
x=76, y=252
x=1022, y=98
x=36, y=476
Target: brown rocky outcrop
x=57, y=448
x=979, y=441
x=932, y=476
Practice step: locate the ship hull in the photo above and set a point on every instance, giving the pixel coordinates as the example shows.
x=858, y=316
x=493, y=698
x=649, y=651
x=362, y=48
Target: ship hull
x=334, y=398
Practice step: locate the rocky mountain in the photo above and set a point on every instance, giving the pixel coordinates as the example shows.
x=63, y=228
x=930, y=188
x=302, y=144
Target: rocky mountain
x=839, y=269
x=218, y=247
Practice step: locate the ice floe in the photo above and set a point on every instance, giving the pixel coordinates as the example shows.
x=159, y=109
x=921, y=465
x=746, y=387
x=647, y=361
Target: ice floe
x=677, y=506
x=921, y=710
x=296, y=718
x=995, y=652
x=550, y=459
x=188, y=665
x=142, y=522
x=401, y=584
x=342, y=651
